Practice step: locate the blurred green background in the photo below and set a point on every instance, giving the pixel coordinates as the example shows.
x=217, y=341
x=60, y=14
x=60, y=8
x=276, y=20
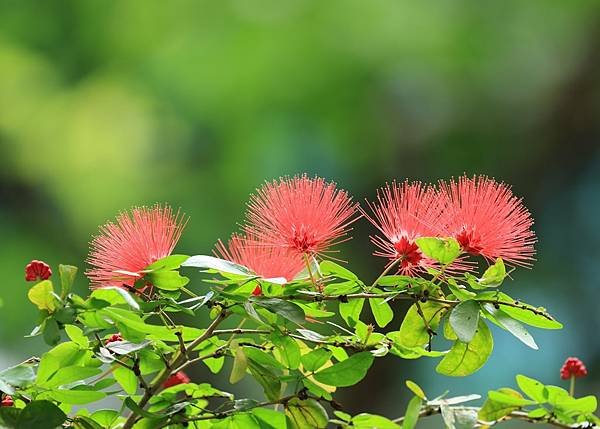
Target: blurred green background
x=108, y=104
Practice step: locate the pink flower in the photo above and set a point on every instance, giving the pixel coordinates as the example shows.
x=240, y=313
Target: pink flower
x=305, y=215
x=573, y=367
x=125, y=248
x=487, y=219
x=403, y=213
x=176, y=379
x=37, y=270
x=267, y=262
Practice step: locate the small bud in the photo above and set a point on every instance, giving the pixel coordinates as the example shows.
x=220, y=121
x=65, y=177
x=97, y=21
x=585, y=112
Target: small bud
x=257, y=291
x=177, y=378
x=37, y=270
x=573, y=367
x=7, y=401
x=113, y=338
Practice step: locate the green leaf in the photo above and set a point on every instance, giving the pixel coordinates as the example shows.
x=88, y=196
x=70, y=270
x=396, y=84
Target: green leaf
x=288, y=349
x=240, y=364
x=42, y=295
x=9, y=417
x=105, y=418
x=443, y=250
x=329, y=268
x=347, y=372
x=315, y=359
x=76, y=335
x=466, y=358
x=416, y=389
x=41, y=415
x=20, y=375
x=69, y=374
x=168, y=263
x=51, y=331
x=464, y=319
x=73, y=397
x=494, y=275
x=521, y=314
x=381, y=310
x=64, y=354
x=511, y=325
x=67, y=277
x=270, y=418
x=493, y=410
x=212, y=263
x=412, y=330
x=509, y=397
x=370, y=421
x=350, y=311
x=167, y=280
x=532, y=388
x=285, y=309
x=308, y=414
x=585, y=405
x=126, y=378
x=270, y=381
x=411, y=416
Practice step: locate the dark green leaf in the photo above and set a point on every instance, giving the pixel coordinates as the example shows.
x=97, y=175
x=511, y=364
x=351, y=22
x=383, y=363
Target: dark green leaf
x=347, y=372
x=285, y=309
x=464, y=319
x=466, y=358
x=9, y=417
x=270, y=381
x=51, y=331
x=41, y=415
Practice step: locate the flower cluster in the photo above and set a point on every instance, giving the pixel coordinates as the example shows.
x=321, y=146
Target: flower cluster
x=573, y=367
x=481, y=214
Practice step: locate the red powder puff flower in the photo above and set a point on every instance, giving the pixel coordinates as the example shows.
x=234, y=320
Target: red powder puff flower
x=403, y=213
x=487, y=219
x=113, y=338
x=177, y=378
x=302, y=214
x=573, y=367
x=7, y=401
x=267, y=262
x=125, y=248
x=37, y=270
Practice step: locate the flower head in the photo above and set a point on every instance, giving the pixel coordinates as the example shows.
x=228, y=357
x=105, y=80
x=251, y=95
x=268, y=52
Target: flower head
x=573, y=367
x=138, y=238
x=305, y=215
x=7, y=401
x=402, y=213
x=37, y=270
x=177, y=378
x=487, y=219
x=113, y=338
x=265, y=261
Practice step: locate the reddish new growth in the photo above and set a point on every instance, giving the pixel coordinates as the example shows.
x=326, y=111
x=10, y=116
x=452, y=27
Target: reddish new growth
x=125, y=248
x=487, y=219
x=37, y=270
x=7, y=401
x=573, y=367
x=265, y=261
x=177, y=378
x=113, y=338
x=402, y=213
x=305, y=215
x=257, y=291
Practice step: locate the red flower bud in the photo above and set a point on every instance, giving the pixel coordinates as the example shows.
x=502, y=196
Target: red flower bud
x=177, y=378
x=37, y=270
x=113, y=338
x=7, y=401
x=257, y=291
x=573, y=367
